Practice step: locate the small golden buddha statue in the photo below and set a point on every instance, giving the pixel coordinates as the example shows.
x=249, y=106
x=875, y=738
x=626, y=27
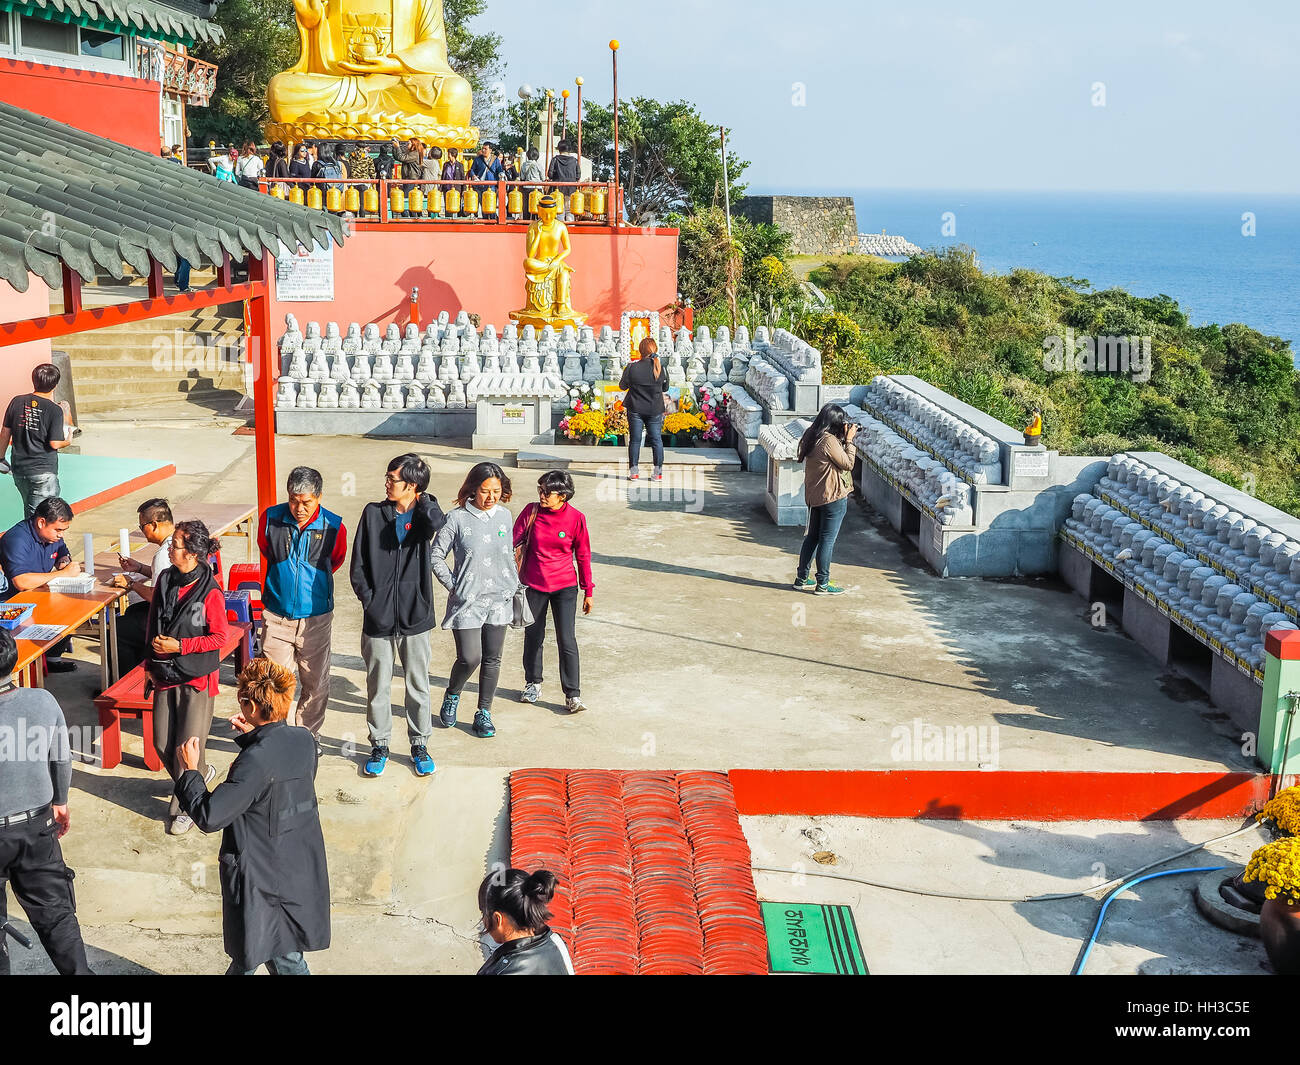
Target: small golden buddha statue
x=546, y=274
x=371, y=70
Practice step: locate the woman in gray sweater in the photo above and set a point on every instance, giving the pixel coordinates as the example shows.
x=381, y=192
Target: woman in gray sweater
x=480, y=585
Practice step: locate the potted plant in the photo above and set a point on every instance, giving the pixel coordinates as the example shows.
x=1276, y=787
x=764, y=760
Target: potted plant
x=582, y=400
x=1276, y=865
x=715, y=427
x=683, y=427
x=586, y=426
x=616, y=425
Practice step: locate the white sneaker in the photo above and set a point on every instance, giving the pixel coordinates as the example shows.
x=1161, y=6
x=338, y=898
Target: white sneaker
x=574, y=704
x=531, y=693
x=181, y=824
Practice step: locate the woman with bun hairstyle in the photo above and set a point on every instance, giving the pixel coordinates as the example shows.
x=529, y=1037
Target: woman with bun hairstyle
x=514, y=911
x=275, y=895
x=184, y=635
x=645, y=383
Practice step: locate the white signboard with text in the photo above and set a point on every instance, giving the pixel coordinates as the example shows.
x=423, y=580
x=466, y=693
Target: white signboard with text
x=305, y=275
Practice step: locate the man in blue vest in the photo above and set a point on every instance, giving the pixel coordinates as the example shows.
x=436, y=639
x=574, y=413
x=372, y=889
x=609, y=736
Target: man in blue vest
x=303, y=544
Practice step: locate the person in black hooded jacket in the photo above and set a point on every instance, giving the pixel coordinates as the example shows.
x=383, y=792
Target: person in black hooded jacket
x=392, y=574
x=275, y=892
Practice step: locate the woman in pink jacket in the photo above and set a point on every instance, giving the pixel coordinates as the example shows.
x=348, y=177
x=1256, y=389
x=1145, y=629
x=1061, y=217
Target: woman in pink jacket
x=553, y=535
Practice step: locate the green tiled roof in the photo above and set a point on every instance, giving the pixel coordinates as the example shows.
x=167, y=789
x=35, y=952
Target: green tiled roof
x=140, y=17
x=71, y=197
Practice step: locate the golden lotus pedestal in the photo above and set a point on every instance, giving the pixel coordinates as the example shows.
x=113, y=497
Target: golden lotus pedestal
x=540, y=321
x=402, y=128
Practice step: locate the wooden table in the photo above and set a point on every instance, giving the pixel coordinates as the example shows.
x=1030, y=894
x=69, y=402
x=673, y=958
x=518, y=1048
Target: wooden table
x=222, y=519
x=69, y=612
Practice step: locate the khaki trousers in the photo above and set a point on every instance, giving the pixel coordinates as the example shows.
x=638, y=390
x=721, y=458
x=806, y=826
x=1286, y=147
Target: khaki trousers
x=179, y=714
x=302, y=645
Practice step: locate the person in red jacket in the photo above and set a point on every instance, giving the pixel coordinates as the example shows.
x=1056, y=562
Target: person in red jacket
x=184, y=653
x=552, y=535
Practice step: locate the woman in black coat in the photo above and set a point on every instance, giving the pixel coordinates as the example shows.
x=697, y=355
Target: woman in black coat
x=275, y=896
x=645, y=383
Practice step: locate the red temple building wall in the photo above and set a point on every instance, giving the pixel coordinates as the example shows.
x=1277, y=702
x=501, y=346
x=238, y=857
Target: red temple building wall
x=122, y=109
x=478, y=269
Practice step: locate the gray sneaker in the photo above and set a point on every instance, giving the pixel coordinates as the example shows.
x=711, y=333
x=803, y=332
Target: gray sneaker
x=574, y=704
x=531, y=693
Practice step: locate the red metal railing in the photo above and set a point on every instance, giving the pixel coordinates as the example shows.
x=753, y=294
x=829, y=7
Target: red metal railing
x=462, y=201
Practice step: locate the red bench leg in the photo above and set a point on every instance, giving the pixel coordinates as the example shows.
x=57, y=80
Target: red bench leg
x=150, y=753
x=110, y=738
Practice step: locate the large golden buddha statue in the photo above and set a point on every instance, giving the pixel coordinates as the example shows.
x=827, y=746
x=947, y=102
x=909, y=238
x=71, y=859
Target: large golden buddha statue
x=371, y=70
x=546, y=275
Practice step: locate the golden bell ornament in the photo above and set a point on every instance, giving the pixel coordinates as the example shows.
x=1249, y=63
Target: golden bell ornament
x=352, y=200
x=471, y=201
x=295, y=195
x=315, y=199
x=577, y=203
x=277, y=191
x=415, y=201
x=489, y=203
x=598, y=202
x=370, y=200
x=453, y=201
x=514, y=202
x=558, y=197
x=435, y=200
x=396, y=200
x=533, y=197
x=334, y=200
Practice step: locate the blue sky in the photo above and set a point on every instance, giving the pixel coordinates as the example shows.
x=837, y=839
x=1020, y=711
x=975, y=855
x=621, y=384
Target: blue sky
x=1198, y=97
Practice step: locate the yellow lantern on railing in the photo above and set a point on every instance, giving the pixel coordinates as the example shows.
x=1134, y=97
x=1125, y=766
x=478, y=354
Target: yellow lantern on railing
x=514, y=202
x=598, y=202
x=489, y=203
x=370, y=200
x=577, y=203
x=435, y=200
x=471, y=201
x=558, y=197
x=396, y=200
x=533, y=197
x=334, y=199
x=453, y=201
x=314, y=198
x=295, y=195
x=277, y=191
x=415, y=201
x=352, y=200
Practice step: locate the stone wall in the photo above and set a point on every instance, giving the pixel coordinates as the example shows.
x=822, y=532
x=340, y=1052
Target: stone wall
x=819, y=225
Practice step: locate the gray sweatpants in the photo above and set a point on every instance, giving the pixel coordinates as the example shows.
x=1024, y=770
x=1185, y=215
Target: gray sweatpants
x=379, y=653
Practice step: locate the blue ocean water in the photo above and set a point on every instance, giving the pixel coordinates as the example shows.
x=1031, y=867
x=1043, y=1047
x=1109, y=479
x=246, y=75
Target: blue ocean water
x=1190, y=247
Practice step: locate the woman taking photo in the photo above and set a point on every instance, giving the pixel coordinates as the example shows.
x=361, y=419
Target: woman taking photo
x=514, y=911
x=185, y=633
x=645, y=383
x=551, y=535
x=275, y=895
x=480, y=585
x=826, y=448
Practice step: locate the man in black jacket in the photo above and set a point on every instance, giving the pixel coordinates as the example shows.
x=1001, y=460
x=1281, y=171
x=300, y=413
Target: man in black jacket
x=393, y=577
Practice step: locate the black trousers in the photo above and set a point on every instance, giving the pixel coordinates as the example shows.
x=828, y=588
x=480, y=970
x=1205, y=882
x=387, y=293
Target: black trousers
x=475, y=648
x=131, y=641
x=564, y=607
x=32, y=860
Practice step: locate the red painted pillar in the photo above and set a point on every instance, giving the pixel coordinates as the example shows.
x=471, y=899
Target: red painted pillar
x=264, y=373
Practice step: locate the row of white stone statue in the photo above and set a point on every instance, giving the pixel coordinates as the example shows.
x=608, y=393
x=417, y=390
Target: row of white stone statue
x=945, y=435
x=1251, y=553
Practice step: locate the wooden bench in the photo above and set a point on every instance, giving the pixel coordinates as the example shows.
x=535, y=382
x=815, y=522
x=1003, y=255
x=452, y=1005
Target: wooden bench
x=126, y=698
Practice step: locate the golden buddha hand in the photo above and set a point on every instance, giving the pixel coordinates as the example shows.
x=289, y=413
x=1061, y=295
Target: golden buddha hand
x=383, y=64
x=310, y=12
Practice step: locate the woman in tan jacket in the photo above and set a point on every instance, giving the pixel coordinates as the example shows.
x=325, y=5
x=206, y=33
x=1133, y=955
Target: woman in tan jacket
x=827, y=450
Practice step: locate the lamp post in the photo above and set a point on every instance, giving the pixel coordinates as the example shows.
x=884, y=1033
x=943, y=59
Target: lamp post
x=578, y=82
x=526, y=94
x=726, y=183
x=564, y=121
x=550, y=124
x=616, y=210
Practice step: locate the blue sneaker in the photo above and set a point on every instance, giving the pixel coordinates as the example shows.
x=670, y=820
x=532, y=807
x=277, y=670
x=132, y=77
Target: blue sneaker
x=421, y=760
x=378, y=759
x=447, y=715
x=483, y=725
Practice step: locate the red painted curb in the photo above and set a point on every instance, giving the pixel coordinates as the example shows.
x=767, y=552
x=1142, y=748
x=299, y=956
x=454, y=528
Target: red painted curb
x=125, y=488
x=970, y=795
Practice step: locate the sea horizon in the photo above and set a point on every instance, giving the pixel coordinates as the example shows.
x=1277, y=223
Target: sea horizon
x=1191, y=246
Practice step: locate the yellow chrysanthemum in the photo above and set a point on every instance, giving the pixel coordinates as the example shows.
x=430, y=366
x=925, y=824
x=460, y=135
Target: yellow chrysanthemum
x=1277, y=866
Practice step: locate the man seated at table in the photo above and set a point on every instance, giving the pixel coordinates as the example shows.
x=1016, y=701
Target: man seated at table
x=33, y=553
x=155, y=516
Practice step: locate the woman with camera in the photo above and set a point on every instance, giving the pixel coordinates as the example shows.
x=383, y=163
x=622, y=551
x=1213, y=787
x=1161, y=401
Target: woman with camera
x=827, y=450
x=645, y=383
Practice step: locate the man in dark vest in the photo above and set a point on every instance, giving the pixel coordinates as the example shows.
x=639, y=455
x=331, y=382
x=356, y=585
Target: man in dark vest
x=303, y=544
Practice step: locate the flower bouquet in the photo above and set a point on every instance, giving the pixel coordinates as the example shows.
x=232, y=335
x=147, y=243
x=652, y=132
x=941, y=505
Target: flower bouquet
x=616, y=421
x=583, y=400
x=710, y=397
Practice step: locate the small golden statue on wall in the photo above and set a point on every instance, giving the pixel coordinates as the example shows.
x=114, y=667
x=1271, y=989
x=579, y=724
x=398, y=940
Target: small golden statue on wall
x=371, y=70
x=547, y=277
